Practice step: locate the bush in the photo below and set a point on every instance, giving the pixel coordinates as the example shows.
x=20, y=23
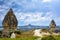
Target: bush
x=18, y=32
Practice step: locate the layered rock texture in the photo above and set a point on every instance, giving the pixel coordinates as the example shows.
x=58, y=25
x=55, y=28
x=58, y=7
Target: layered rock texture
x=9, y=23
x=52, y=25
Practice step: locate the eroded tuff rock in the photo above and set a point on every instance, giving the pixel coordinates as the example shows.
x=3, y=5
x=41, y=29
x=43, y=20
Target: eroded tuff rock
x=52, y=25
x=9, y=23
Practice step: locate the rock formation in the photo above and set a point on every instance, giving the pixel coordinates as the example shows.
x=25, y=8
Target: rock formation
x=52, y=25
x=13, y=35
x=9, y=23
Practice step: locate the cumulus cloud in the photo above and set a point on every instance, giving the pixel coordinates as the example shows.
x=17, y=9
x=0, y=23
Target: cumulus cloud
x=33, y=17
x=25, y=5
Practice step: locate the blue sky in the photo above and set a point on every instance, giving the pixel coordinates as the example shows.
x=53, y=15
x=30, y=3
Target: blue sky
x=35, y=12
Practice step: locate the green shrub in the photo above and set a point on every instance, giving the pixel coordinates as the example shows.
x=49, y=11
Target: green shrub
x=18, y=32
x=48, y=38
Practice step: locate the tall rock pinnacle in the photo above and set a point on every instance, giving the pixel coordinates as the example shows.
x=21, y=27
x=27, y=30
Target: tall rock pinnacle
x=52, y=25
x=10, y=21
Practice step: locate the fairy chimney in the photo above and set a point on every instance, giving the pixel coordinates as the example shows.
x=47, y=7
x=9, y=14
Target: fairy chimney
x=10, y=22
x=52, y=25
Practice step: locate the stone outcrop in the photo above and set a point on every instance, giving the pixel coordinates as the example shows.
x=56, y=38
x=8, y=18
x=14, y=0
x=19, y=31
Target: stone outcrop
x=9, y=23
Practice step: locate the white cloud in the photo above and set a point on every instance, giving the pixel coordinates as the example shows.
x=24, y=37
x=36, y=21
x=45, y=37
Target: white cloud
x=33, y=17
x=46, y=0
x=1, y=17
x=28, y=16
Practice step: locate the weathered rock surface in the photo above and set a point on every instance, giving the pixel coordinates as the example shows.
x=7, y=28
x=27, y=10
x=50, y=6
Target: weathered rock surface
x=9, y=23
x=52, y=25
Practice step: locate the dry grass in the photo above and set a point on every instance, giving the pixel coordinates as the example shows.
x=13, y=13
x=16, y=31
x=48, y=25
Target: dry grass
x=25, y=34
